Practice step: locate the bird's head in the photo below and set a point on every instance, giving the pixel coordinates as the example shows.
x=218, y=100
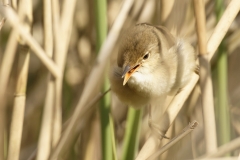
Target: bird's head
x=141, y=50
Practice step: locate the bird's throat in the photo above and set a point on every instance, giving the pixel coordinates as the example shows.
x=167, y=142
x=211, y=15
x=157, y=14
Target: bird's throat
x=129, y=73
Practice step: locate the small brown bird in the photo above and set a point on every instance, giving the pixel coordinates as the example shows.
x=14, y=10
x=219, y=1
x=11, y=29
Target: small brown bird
x=151, y=63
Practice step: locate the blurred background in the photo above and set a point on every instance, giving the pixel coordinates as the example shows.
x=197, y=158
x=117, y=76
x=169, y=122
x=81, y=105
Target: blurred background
x=82, y=51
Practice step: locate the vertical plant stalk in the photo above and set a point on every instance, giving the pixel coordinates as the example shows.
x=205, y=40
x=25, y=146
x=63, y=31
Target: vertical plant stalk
x=20, y=95
x=6, y=66
x=205, y=79
x=113, y=138
x=101, y=21
x=131, y=137
x=106, y=130
x=101, y=26
x=222, y=94
x=57, y=88
x=62, y=32
x=5, y=70
x=44, y=144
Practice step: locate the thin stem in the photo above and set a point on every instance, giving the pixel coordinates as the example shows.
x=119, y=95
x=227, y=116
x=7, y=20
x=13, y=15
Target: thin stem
x=107, y=149
x=101, y=27
x=25, y=12
x=44, y=144
x=5, y=69
x=56, y=117
x=113, y=138
x=130, y=142
x=222, y=91
x=205, y=79
x=62, y=34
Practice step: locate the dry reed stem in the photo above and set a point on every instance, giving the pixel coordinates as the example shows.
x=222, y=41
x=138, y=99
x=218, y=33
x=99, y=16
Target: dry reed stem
x=199, y=9
x=56, y=22
x=62, y=38
x=3, y=85
x=5, y=70
x=185, y=132
x=57, y=119
x=16, y=128
x=213, y=43
x=207, y=104
x=16, y=24
x=62, y=30
x=7, y=63
x=67, y=16
x=48, y=28
x=25, y=12
x=222, y=27
x=224, y=149
x=205, y=79
x=45, y=138
x=44, y=144
x=95, y=76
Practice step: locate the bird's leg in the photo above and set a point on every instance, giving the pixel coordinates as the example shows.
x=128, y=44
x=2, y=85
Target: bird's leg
x=154, y=127
x=196, y=70
x=179, y=90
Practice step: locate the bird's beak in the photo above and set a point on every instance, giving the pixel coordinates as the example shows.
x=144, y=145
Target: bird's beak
x=128, y=71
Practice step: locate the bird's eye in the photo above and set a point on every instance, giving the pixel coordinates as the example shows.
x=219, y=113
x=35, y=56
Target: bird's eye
x=146, y=56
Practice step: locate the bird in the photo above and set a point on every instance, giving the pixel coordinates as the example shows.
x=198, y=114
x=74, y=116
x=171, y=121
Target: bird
x=151, y=63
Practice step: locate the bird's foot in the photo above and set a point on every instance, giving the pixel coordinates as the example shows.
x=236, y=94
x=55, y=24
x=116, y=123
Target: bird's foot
x=197, y=69
x=156, y=129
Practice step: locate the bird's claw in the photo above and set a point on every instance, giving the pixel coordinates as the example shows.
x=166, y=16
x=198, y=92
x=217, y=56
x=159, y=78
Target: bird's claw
x=156, y=130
